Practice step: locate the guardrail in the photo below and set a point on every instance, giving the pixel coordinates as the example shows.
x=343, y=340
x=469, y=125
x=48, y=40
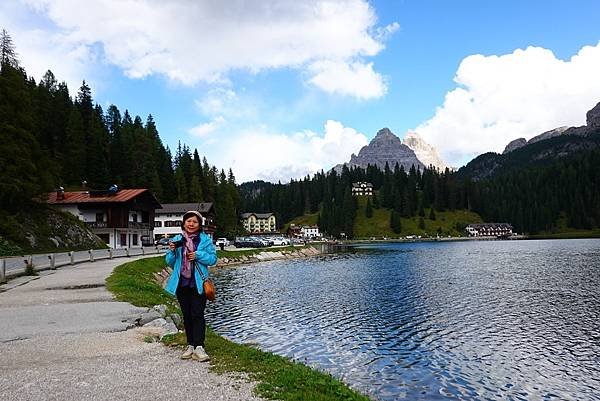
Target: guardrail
x=16, y=265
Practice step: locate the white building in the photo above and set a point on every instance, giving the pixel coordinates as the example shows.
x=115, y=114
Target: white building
x=168, y=219
x=120, y=217
x=259, y=222
x=310, y=232
x=489, y=230
x=362, y=189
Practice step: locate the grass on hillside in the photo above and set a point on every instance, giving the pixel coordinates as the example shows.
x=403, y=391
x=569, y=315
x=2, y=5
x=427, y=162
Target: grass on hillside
x=304, y=220
x=42, y=222
x=446, y=223
x=277, y=377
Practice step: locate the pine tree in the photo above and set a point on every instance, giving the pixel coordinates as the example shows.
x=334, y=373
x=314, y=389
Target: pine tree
x=369, y=209
x=395, y=222
x=8, y=54
x=74, y=150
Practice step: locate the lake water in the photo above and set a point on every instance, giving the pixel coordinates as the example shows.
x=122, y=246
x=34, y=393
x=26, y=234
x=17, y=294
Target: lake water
x=517, y=320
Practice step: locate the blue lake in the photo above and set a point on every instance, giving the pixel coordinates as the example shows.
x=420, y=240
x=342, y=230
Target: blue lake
x=482, y=320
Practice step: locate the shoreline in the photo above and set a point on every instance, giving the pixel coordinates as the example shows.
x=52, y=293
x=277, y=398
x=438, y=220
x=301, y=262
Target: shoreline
x=277, y=377
x=260, y=255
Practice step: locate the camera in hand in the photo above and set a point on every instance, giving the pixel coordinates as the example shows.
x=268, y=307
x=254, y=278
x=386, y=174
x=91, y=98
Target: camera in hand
x=178, y=243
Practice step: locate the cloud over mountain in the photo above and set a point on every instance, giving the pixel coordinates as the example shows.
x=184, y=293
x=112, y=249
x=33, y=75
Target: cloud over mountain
x=259, y=154
x=522, y=94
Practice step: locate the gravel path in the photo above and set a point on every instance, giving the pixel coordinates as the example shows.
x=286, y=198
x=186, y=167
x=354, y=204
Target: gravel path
x=63, y=338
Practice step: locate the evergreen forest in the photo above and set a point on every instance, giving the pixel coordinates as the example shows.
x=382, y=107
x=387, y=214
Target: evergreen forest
x=50, y=138
x=538, y=198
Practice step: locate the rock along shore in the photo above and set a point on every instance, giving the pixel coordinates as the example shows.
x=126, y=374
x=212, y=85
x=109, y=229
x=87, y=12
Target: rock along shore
x=267, y=256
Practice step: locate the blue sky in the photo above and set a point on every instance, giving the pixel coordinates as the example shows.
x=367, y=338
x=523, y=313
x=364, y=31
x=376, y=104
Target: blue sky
x=280, y=89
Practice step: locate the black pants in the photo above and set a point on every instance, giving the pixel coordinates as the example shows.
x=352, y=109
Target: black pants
x=192, y=306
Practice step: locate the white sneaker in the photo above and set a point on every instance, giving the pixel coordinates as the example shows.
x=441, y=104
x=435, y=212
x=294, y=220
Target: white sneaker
x=200, y=354
x=189, y=351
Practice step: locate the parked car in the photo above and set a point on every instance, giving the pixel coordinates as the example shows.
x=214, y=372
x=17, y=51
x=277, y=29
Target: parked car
x=280, y=241
x=162, y=241
x=146, y=240
x=247, y=242
x=222, y=241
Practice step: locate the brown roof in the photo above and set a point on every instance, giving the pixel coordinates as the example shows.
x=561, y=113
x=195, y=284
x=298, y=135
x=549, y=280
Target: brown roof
x=123, y=195
x=202, y=207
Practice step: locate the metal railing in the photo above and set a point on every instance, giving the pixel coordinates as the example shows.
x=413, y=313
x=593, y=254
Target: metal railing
x=17, y=265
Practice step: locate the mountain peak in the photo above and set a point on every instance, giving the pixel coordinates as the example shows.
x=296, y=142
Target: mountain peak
x=426, y=153
x=386, y=147
x=385, y=132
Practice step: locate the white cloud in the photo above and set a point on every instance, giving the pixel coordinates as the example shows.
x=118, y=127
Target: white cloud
x=354, y=79
x=199, y=41
x=40, y=49
x=205, y=129
x=501, y=98
x=260, y=154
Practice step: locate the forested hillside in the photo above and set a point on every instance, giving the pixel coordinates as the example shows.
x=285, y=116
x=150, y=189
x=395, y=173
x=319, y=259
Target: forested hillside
x=50, y=138
x=534, y=197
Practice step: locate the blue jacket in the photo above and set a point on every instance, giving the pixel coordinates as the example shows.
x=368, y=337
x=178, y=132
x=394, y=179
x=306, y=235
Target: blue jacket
x=205, y=256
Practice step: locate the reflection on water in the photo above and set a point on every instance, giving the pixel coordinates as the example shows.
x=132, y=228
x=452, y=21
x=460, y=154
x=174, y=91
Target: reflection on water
x=464, y=320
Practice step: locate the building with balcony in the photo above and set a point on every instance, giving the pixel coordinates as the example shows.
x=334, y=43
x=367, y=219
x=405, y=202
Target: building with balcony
x=489, y=230
x=294, y=231
x=168, y=219
x=362, y=189
x=310, y=232
x=120, y=217
x=259, y=222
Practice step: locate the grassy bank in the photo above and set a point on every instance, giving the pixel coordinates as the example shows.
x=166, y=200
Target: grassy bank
x=277, y=377
x=445, y=223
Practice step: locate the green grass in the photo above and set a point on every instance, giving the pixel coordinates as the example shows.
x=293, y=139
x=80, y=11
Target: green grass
x=446, y=223
x=277, y=377
x=134, y=283
x=305, y=220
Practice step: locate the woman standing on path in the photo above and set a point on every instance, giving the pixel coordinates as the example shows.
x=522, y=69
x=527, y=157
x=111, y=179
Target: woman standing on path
x=188, y=252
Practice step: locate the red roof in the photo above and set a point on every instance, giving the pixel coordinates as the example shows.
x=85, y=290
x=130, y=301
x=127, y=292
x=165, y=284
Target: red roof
x=123, y=195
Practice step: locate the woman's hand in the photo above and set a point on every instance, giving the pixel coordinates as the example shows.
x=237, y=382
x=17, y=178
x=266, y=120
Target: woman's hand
x=171, y=246
x=191, y=256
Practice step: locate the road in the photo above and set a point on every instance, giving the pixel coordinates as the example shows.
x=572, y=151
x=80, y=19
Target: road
x=63, y=337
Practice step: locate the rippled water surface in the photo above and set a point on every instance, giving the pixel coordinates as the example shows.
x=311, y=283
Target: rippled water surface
x=463, y=320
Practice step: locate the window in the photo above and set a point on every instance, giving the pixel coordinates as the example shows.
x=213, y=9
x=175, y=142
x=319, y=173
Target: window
x=134, y=217
x=134, y=239
x=157, y=223
x=99, y=217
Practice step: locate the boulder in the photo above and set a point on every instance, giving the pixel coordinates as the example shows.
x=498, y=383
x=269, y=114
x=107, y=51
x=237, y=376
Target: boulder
x=593, y=117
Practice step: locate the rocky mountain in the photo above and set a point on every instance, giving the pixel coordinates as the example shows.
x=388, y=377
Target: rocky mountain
x=384, y=148
x=426, y=153
x=547, y=147
x=517, y=143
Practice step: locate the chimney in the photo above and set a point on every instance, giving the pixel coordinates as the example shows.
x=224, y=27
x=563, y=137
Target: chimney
x=84, y=185
x=60, y=193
